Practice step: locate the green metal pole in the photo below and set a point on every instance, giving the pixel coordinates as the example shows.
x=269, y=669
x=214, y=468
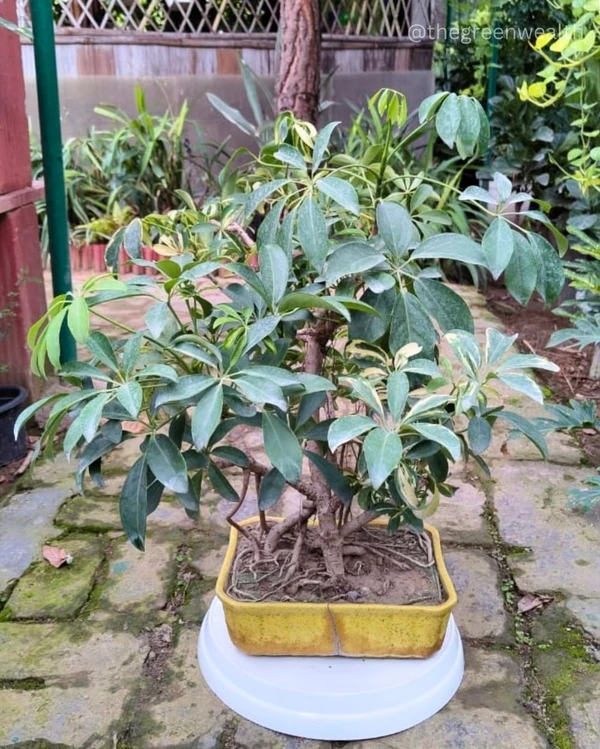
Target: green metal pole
x=492, y=82
x=42, y=24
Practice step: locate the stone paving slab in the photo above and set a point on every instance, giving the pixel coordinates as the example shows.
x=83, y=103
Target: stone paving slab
x=485, y=713
x=190, y=715
x=26, y=523
x=531, y=502
x=57, y=593
x=87, y=681
x=584, y=713
x=459, y=519
x=480, y=610
x=137, y=582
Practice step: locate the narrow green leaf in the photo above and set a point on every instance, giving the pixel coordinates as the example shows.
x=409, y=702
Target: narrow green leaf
x=101, y=349
x=523, y=384
x=259, y=390
x=347, y=428
x=395, y=227
x=82, y=370
x=91, y=414
x=274, y=272
x=96, y=449
x=314, y=383
x=496, y=345
x=132, y=239
x=164, y=371
x=221, y=485
x=271, y=489
x=447, y=120
x=187, y=387
x=410, y=323
x=322, y=142
x=351, y=259
x=207, y=415
x=78, y=319
x=111, y=254
x=166, y=463
x=130, y=396
x=270, y=226
x=450, y=247
x=430, y=403
x=551, y=276
x=260, y=194
x=444, y=305
x=281, y=377
x=282, y=447
x=28, y=412
x=291, y=156
x=371, y=328
x=527, y=429
x=232, y=455
x=308, y=405
x=479, y=433
x=382, y=451
x=340, y=191
x=521, y=273
x=397, y=393
x=304, y=300
x=260, y=330
x=440, y=434
x=133, y=503
x=498, y=246
x=312, y=233
x=131, y=353
x=231, y=114
x=53, y=337
x=527, y=361
x=161, y=321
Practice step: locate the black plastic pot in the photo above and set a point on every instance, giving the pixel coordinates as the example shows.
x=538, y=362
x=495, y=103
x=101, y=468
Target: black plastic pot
x=11, y=402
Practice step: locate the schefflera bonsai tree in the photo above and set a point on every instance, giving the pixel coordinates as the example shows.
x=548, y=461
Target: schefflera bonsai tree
x=330, y=348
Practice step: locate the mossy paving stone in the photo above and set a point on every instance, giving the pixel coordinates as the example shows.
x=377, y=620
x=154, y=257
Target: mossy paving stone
x=47, y=592
x=531, y=503
x=25, y=525
x=190, y=715
x=87, y=676
x=136, y=581
x=566, y=667
x=484, y=714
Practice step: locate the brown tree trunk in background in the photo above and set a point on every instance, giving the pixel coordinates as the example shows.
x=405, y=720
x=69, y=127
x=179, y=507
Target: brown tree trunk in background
x=299, y=60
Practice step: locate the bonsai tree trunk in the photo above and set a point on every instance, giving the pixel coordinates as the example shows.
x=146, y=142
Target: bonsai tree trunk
x=298, y=70
x=317, y=337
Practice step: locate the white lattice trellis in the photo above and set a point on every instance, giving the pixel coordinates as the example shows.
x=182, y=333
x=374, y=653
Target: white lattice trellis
x=385, y=18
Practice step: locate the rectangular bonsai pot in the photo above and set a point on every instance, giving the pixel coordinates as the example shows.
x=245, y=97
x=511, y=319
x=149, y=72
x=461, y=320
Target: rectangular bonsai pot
x=360, y=630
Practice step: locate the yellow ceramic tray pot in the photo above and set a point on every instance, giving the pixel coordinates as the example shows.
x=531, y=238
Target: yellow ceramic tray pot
x=361, y=630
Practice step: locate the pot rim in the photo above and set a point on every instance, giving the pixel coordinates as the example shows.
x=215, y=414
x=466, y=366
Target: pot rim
x=438, y=608
x=19, y=397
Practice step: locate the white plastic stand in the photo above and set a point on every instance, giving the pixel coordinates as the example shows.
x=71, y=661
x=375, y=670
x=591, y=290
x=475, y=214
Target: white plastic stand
x=332, y=699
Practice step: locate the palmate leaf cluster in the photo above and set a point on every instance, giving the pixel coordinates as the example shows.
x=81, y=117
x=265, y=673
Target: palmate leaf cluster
x=404, y=388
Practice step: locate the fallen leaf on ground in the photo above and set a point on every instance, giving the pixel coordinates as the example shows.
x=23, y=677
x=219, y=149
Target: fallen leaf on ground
x=532, y=602
x=56, y=556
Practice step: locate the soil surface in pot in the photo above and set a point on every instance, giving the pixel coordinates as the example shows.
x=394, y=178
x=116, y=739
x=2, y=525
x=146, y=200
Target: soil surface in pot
x=395, y=569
